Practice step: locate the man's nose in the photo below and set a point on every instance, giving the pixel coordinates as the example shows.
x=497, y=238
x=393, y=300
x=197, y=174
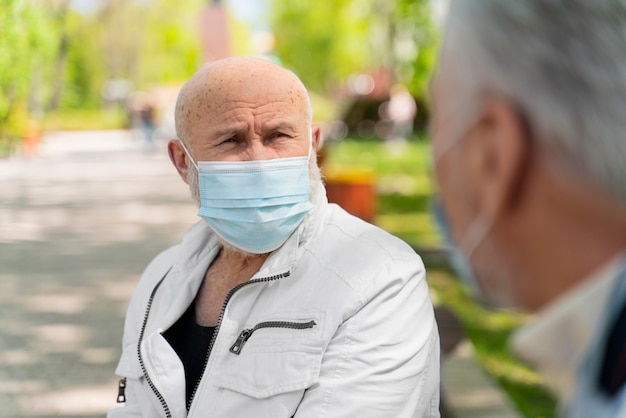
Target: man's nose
x=259, y=151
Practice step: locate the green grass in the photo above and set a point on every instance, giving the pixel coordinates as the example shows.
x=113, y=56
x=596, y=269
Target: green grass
x=68, y=120
x=84, y=119
x=8, y=146
x=404, y=189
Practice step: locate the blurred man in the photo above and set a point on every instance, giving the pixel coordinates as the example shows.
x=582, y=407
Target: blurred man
x=529, y=147
x=276, y=304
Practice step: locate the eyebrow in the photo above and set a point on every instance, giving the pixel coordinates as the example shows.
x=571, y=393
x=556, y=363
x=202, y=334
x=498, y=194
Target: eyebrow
x=278, y=126
x=243, y=128
x=230, y=131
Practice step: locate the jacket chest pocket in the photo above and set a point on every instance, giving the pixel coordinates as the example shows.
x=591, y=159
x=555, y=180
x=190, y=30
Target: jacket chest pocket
x=269, y=366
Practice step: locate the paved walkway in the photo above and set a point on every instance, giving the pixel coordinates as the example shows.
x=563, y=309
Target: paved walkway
x=469, y=392
x=78, y=223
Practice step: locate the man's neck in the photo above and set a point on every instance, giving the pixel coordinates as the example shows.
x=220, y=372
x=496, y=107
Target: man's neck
x=229, y=269
x=562, y=231
x=238, y=260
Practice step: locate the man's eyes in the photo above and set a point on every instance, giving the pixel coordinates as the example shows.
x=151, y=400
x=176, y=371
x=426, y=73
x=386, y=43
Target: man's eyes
x=229, y=140
x=279, y=135
x=270, y=137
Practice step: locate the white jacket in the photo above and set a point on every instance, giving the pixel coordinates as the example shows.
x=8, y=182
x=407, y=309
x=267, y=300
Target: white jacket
x=367, y=343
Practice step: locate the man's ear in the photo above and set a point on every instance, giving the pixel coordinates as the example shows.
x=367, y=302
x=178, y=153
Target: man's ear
x=178, y=157
x=498, y=157
x=316, y=134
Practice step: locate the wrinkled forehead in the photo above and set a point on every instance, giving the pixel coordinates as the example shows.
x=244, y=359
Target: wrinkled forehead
x=216, y=89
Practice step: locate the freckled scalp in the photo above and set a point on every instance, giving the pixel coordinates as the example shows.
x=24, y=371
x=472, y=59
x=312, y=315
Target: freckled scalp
x=234, y=79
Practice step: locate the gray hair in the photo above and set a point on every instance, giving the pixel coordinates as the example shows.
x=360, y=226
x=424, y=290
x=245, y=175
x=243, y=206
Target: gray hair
x=563, y=62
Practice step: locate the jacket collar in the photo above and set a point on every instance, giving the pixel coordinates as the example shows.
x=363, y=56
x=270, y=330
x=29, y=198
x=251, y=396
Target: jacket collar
x=557, y=339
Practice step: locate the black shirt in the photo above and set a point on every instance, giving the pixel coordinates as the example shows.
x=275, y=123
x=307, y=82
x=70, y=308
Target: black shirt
x=191, y=342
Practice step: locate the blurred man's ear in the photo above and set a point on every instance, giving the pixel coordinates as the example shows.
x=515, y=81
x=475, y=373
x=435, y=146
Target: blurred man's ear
x=178, y=157
x=498, y=157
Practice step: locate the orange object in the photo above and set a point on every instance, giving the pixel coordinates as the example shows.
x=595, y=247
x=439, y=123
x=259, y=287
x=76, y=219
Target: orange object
x=353, y=190
x=31, y=138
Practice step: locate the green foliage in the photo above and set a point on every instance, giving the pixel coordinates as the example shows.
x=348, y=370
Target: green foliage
x=27, y=41
x=170, y=45
x=82, y=77
x=326, y=42
x=416, y=42
x=322, y=41
x=144, y=42
x=84, y=119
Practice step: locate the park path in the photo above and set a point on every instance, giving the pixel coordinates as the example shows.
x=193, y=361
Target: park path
x=78, y=223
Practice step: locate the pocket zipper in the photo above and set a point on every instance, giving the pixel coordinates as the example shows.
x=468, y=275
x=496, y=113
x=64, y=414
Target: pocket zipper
x=247, y=333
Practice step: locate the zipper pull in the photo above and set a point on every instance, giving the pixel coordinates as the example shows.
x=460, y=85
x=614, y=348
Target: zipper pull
x=241, y=340
x=121, y=391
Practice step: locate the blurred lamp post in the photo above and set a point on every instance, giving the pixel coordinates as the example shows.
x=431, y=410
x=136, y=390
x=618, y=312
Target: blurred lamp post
x=214, y=32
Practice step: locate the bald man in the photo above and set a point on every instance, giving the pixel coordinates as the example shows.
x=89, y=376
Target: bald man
x=276, y=304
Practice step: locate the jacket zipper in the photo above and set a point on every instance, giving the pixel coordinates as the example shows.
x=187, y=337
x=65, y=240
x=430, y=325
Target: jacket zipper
x=247, y=333
x=121, y=391
x=158, y=394
x=219, y=323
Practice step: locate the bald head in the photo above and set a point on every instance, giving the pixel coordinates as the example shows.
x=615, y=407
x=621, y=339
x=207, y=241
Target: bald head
x=228, y=83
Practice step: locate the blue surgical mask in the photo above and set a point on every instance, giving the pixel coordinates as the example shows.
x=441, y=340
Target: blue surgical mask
x=254, y=206
x=459, y=255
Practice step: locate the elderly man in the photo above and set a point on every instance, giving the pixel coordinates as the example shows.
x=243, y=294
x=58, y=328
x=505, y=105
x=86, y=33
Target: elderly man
x=276, y=304
x=529, y=147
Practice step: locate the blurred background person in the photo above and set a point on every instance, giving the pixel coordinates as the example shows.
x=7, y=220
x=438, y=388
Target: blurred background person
x=529, y=152
x=401, y=110
x=141, y=117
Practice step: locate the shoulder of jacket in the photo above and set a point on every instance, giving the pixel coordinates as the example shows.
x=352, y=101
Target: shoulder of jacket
x=355, y=234
x=364, y=256
x=152, y=275
x=157, y=268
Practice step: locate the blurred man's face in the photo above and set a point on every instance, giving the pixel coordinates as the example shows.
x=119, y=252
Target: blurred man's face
x=458, y=134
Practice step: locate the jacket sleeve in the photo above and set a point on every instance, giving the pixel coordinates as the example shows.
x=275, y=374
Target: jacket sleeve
x=128, y=366
x=383, y=360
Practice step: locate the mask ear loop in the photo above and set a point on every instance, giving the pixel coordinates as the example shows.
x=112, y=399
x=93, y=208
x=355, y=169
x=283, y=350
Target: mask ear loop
x=475, y=235
x=308, y=158
x=188, y=154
